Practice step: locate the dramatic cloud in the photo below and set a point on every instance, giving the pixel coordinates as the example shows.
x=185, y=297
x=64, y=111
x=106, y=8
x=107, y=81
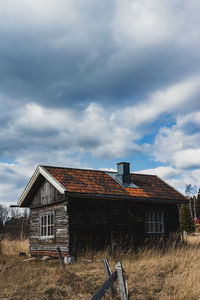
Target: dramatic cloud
x=179, y=145
x=75, y=52
x=86, y=84
x=178, y=97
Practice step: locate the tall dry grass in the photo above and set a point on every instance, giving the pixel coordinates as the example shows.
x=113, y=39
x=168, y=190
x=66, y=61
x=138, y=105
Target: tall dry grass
x=153, y=273
x=13, y=247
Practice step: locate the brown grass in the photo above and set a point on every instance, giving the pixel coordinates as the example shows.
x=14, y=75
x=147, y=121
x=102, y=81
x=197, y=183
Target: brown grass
x=172, y=274
x=13, y=247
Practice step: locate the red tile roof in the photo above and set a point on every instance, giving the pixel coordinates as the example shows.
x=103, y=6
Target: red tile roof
x=101, y=183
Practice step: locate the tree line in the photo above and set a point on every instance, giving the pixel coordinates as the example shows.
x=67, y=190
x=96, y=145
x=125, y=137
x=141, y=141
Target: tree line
x=14, y=222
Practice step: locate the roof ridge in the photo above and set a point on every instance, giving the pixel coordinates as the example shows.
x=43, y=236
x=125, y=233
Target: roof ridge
x=103, y=171
x=70, y=168
x=143, y=174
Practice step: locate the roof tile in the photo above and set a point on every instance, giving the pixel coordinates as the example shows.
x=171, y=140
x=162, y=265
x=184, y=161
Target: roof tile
x=99, y=182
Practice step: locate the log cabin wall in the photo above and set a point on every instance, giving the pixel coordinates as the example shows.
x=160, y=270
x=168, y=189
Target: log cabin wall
x=97, y=223
x=47, y=201
x=40, y=246
x=137, y=219
x=89, y=224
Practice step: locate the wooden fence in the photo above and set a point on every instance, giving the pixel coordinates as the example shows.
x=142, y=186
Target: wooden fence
x=117, y=275
x=112, y=277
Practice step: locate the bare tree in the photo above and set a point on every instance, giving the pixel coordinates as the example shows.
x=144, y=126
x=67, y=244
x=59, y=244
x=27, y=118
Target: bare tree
x=15, y=222
x=191, y=191
x=4, y=214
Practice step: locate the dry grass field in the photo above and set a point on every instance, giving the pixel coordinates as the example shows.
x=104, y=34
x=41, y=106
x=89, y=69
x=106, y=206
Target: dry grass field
x=152, y=274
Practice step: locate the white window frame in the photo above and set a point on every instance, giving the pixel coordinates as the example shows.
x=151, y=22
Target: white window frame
x=47, y=225
x=155, y=222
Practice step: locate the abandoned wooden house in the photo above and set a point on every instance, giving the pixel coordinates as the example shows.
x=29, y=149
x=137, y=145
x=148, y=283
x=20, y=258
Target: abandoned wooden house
x=72, y=208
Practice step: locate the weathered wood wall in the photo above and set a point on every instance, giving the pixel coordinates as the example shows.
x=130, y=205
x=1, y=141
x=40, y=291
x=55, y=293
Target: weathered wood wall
x=39, y=246
x=89, y=223
x=96, y=223
x=45, y=194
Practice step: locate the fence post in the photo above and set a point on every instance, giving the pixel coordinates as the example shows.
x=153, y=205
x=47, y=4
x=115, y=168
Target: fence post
x=107, y=267
x=122, y=287
x=108, y=273
x=61, y=258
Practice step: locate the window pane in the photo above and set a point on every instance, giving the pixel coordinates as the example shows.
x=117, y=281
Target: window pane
x=156, y=217
x=52, y=221
x=159, y=219
x=47, y=225
x=51, y=230
x=151, y=217
x=155, y=222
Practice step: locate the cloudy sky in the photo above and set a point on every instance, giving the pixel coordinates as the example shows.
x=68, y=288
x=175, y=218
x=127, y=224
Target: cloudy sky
x=90, y=83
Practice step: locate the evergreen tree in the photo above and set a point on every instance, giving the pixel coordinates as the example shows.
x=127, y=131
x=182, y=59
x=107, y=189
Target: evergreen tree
x=186, y=222
x=198, y=205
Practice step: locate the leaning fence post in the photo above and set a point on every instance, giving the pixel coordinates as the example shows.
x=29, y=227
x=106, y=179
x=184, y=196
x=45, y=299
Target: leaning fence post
x=108, y=273
x=107, y=267
x=61, y=258
x=122, y=286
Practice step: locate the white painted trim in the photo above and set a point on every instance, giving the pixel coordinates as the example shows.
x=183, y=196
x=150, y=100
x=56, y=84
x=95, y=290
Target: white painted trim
x=52, y=180
x=28, y=187
x=40, y=170
x=47, y=237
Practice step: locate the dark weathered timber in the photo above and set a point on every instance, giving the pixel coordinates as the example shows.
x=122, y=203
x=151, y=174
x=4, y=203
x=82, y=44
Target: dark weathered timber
x=89, y=224
x=105, y=287
x=98, y=223
x=45, y=194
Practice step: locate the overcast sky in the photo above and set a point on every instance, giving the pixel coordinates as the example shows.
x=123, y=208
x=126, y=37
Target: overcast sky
x=90, y=83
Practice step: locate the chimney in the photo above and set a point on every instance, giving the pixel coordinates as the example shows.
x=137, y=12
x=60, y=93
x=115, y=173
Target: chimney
x=123, y=172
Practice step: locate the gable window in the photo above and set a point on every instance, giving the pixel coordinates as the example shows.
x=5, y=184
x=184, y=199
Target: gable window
x=155, y=222
x=47, y=225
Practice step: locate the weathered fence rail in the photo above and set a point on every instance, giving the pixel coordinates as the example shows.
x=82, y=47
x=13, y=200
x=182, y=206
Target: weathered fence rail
x=106, y=286
x=118, y=276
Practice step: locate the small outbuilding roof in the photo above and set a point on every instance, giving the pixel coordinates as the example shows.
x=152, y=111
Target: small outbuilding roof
x=93, y=183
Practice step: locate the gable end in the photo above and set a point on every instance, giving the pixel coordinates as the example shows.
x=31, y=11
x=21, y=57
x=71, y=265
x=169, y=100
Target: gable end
x=40, y=171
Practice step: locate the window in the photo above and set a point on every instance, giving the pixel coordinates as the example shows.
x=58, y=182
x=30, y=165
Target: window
x=155, y=222
x=47, y=225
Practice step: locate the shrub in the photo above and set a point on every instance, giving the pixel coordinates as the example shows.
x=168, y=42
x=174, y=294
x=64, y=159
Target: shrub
x=186, y=221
